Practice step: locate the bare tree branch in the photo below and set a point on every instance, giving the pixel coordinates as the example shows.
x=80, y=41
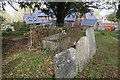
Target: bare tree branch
x=12, y=5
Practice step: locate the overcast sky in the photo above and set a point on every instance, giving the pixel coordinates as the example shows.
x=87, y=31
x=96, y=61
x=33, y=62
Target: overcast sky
x=10, y=10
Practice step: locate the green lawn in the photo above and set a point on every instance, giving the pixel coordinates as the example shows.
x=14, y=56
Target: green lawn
x=105, y=62
x=30, y=64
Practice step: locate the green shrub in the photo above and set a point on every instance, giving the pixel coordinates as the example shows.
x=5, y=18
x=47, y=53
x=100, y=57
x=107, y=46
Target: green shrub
x=20, y=29
x=20, y=26
x=15, y=33
x=5, y=33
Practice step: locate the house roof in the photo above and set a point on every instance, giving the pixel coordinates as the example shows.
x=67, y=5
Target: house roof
x=40, y=13
x=89, y=22
x=70, y=17
x=107, y=23
x=33, y=19
x=67, y=18
x=90, y=16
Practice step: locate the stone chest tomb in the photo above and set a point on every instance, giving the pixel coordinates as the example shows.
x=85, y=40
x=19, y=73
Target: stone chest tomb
x=59, y=41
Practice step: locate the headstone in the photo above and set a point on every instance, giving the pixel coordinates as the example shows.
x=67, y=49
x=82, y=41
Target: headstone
x=83, y=53
x=65, y=64
x=91, y=37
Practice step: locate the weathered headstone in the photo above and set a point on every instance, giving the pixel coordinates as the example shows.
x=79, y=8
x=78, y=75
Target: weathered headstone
x=83, y=53
x=65, y=64
x=68, y=63
x=91, y=37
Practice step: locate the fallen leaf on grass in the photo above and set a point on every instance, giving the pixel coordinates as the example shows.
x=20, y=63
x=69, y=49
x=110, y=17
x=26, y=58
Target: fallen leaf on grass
x=18, y=70
x=11, y=73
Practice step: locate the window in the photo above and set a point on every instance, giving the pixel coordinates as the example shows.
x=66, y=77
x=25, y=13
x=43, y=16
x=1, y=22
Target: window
x=30, y=19
x=34, y=18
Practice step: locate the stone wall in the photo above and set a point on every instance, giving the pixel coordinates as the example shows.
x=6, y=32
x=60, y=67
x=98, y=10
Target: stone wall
x=68, y=63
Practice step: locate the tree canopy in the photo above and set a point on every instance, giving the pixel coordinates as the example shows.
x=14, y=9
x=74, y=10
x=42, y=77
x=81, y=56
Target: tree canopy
x=115, y=16
x=2, y=19
x=118, y=12
x=58, y=9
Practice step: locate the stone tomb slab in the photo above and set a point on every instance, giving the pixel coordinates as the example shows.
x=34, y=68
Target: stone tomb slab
x=65, y=64
x=59, y=41
x=83, y=53
x=91, y=38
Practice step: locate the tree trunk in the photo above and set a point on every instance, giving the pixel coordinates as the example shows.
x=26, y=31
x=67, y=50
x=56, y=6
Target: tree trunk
x=61, y=13
x=60, y=21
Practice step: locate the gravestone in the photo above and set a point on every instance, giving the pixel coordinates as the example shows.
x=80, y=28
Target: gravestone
x=83, y=53
x=91, y=37
x=65, y=64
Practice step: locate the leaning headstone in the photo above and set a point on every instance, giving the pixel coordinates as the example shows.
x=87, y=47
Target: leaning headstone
x=83, y=53
x=65, y=64
x=91, y=37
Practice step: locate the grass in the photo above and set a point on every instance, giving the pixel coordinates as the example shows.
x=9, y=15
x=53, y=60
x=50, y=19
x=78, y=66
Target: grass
x=33, y=64
x=105, y=62
x=28, y=65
